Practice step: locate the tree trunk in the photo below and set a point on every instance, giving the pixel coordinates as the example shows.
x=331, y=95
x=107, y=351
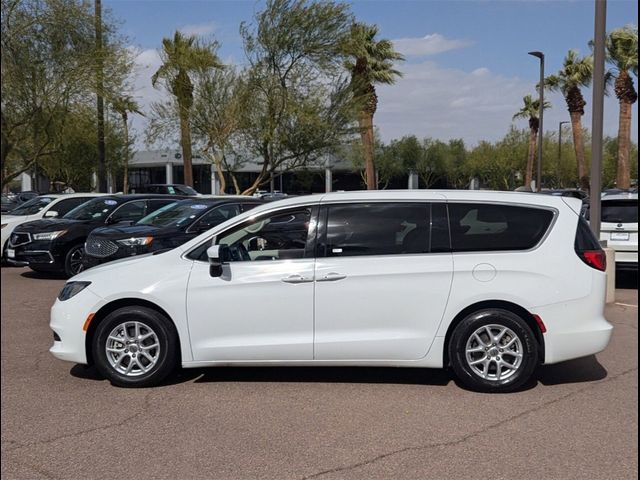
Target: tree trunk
x=578, y=145
x=125, y=180
x=366, y=134
x=623, y=177
x=218, y=163
x=185, y=143
x=528, y=173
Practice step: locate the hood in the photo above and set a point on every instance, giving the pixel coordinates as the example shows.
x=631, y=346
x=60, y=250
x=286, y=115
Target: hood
x=125, y=231
x=48, y=225
x=115, y=267
x=13, y=218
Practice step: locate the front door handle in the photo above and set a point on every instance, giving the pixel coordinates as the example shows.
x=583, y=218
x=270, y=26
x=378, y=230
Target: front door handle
x=296, y=279
x=332, y=277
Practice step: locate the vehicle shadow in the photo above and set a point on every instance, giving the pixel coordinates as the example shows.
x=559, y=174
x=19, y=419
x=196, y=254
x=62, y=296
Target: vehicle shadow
x=580, y=370
x=43, y=275
x=627, y=279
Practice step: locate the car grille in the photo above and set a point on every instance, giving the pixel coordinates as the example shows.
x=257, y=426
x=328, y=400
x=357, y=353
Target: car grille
x=18, y=239
x=100, y=247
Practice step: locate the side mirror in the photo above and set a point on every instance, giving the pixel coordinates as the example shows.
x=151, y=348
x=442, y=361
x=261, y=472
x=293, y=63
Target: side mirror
x=218, y=255
x=50, y=214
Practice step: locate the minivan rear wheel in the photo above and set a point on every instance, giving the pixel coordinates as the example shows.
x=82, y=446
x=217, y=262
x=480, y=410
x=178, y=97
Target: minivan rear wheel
x=493, y=350
x=135, y=347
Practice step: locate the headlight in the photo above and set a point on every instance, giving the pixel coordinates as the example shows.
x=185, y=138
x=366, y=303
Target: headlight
x=49, y=235
x=136, y=241
x=71, y=289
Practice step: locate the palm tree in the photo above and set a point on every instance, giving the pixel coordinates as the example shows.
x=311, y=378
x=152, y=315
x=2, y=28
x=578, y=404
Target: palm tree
x=370, y=62
x=182, y=55
x=576, y=72
x=622, y=52
x=531, y=110
x=123, y=106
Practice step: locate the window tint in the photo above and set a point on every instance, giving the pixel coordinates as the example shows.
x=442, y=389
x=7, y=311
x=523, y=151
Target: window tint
x=485, y=227
x=585, y=239
x=216, y=216
x=278, y=236
x=153, y=205
x=248, y=206
x=129, y=211
x=65, y=206
x=376, y=229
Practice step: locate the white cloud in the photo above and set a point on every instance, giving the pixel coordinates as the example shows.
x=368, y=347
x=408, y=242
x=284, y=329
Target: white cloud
x=198, y=29
x=445, y=103
x=428, y=45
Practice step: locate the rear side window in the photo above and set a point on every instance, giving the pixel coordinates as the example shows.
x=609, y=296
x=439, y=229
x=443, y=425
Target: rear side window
x=376, y=229
x=487, y=227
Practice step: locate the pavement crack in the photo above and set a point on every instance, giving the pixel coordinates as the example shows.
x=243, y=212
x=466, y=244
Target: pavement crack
x=459, y=441
x=142, y=411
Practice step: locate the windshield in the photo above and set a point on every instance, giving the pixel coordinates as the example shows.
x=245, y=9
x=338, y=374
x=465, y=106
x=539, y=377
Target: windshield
x=93, y=209
x=182, y=189
x=175, y=214
x=620, y=211
x=32, y=206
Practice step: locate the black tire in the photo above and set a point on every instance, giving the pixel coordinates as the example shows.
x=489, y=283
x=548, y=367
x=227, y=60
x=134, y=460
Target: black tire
x=167, y=355
x=488, y=354
x=71, y=267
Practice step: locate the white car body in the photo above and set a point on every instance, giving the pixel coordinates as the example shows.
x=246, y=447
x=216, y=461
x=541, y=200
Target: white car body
x=621, y=236
x=10, y=222
x=393, y=310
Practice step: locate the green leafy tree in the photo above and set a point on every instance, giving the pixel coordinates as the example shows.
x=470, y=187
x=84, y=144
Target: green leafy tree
x=622, y=53
x=370, y=63
x=575, y=73
x=530, y=111
x=182, y=56
x=298, y=106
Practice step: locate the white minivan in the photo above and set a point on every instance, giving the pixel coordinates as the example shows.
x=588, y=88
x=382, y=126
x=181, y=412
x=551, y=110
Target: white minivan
x=490, y=284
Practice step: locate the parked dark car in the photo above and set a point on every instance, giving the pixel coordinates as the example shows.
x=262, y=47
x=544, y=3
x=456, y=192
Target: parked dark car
x=167, y=189
x=163, y=229
x=14, y=200
x=57, y=244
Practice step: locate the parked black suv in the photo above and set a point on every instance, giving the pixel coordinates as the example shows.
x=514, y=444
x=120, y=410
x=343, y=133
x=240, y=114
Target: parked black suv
x=163, y=229
x=57, y=245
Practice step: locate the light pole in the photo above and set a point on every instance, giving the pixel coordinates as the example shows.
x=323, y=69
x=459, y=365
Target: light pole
x=540, y=55
x=560, y=147
x=597, y=114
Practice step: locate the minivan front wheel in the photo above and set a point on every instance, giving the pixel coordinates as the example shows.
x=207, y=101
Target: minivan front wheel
x=493, y=350
x=135, y=347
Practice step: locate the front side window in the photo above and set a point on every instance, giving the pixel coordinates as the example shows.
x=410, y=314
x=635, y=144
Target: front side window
x=488, y=227
x=96, y=209
x=131, y=211
x=278, y=236
x=376, y=229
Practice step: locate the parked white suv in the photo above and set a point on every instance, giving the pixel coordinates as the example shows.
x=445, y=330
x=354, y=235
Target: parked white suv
x=619, y=227
x=44, y=206
x=490, y=284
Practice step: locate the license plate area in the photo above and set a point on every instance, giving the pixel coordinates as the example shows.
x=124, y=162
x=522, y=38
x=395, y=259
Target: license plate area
x=620, y=236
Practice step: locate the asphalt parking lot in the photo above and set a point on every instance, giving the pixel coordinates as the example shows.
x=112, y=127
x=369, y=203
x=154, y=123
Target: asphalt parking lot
x=578, y=419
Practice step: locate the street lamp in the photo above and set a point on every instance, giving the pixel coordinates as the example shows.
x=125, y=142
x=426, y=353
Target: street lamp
x=560, y=146
x=540, y=55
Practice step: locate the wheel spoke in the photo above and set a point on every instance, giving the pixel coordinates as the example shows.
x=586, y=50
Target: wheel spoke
x=476, y=362
x=129, y=336
x=506, y=359
x=148, y=347
x=479, y=339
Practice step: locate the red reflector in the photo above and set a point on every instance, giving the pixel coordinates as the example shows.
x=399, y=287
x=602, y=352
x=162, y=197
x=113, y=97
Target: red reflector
x=540, y=323
x=596, y=259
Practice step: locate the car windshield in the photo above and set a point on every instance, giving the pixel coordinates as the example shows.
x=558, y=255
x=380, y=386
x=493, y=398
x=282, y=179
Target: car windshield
x=93, y=209
x=175, y=214
x=33, y=206
x=620, y=211
x=183, y=189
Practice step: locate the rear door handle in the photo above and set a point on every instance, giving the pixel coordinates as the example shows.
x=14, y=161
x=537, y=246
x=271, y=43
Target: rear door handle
x=296, y=279
x=332, y=277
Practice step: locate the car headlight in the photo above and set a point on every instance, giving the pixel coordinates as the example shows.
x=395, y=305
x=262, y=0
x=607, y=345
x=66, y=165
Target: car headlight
x=71, y=289
x=136, y=241
x=48, y=235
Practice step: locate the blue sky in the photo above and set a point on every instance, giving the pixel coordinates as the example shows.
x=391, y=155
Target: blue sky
x=467, y=66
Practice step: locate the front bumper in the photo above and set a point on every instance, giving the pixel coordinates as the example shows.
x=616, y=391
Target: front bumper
x=39, y=254
x=67, y=320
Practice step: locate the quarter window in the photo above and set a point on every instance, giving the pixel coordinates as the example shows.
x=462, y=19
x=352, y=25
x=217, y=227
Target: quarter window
x=376, y=229
x=487, y=227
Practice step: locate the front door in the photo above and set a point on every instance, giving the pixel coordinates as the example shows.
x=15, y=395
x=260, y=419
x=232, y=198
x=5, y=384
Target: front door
x=383, y=276
x=261, y=308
